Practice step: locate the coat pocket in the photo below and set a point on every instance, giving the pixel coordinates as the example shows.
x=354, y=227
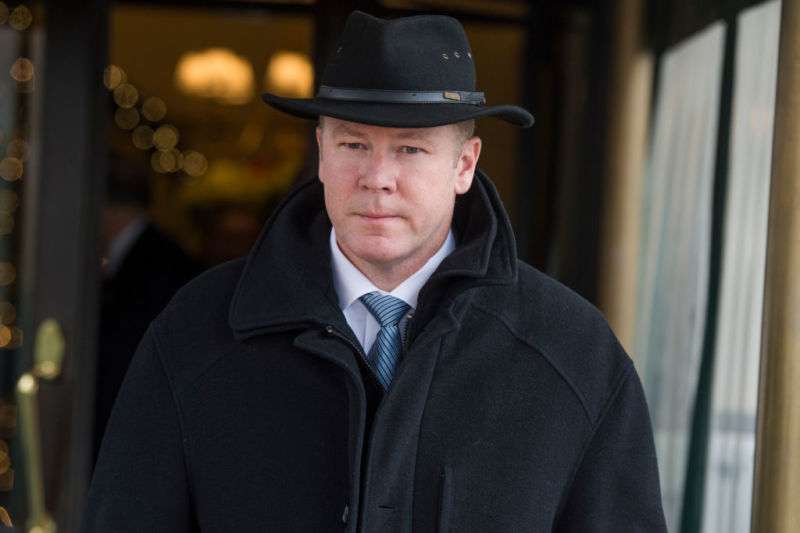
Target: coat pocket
x=445, y=498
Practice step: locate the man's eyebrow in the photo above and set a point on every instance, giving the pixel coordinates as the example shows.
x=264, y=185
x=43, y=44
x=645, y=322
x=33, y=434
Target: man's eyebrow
x=344, y=129
x=414, y=134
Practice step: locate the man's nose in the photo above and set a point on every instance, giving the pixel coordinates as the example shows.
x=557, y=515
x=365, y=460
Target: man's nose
x=379, y=172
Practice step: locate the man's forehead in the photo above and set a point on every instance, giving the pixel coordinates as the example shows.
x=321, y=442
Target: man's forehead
x=345, y=127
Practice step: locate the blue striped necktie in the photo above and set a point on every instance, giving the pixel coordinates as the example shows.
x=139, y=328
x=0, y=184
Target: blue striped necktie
x=385, y=352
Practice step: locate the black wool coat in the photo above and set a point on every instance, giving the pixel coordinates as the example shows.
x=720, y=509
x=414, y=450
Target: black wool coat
x=152, y=271
x=247, y=407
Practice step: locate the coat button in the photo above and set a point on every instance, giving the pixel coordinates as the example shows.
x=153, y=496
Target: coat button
x=345, y=514
x=329, y=330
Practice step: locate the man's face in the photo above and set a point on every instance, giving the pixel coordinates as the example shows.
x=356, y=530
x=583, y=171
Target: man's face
x=390, y=192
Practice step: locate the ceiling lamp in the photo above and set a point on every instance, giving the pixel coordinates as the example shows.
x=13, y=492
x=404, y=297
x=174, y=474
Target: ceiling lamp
x=290, y=74
x=216, y=73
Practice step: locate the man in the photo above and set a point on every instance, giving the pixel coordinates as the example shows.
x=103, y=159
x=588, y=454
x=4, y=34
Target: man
x=382, y=361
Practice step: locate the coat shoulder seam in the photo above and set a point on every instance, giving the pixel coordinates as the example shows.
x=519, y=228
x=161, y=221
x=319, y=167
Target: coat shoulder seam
x=544, y=355
x=619, y=381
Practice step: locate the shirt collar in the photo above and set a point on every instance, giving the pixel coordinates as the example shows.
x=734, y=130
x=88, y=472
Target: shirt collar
x=122, y=243
x=351, y=284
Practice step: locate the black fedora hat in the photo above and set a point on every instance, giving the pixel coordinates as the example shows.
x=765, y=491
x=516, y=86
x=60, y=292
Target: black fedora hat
x=411, y=72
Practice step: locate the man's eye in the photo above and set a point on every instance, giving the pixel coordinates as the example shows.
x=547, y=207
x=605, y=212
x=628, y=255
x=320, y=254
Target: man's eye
x=411, y=150
x=354, y=146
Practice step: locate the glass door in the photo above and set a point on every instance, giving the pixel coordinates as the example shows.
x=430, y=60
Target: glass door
x=50, y=158
x=21, y=50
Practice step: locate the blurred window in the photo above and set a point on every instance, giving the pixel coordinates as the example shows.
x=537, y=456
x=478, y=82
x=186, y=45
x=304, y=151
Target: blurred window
x=734, y=390
x=676, y=248
x=703, y=265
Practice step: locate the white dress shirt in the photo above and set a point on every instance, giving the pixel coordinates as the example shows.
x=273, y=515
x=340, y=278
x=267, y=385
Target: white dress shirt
x=351, y=284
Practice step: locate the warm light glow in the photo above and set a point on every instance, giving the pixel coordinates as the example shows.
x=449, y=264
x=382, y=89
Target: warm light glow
x=167, y=161
x=6, y=224
x=7, y=273
x=179, y=159
x=47, y=370
x=5, y=462
x=143, y=137
x=155, y=162
x=9, y=201
x=22, y=70
x=194, y=163
x=17, y=148
x=113, y=77
x=154, y=109
x=11, y=169
x=7, y=480
x=20, y=18
x=126, y=118
x=26, y=87
x=8, y=313
x=216, y=73
x=126, y=95
x=166, y=137
x=290, y=74
x=5, y=336
x=27, y=384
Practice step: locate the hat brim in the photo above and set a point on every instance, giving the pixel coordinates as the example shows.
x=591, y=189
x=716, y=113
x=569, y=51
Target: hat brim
x=396, y=115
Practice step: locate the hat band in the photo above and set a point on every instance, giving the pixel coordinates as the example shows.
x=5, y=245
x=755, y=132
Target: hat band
x=401, y=97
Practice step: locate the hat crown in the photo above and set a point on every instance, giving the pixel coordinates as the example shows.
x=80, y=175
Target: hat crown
x=420, y=53
x=412, y=72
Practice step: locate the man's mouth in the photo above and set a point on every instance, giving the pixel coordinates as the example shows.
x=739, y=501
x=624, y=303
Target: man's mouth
x=376, y=216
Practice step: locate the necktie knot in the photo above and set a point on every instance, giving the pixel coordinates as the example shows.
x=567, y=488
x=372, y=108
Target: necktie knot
x=386, y=309
x=386, y=349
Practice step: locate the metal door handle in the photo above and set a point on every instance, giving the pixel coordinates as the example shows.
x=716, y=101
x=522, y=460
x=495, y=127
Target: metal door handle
x=48, y=356
x=38, y=519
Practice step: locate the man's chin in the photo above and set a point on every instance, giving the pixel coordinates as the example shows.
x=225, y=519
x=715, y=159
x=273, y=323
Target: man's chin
x=379, y=256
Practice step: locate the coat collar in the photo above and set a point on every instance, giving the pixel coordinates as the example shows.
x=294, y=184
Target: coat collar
x=287, y=282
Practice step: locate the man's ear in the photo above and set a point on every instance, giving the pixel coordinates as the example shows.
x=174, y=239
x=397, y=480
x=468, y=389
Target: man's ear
x=467, y=164
x=318, y=135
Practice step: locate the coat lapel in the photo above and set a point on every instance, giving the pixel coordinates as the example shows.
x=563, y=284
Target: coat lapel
x=286, y=281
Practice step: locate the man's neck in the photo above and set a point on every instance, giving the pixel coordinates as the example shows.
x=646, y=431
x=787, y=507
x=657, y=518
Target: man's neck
x=388, y=277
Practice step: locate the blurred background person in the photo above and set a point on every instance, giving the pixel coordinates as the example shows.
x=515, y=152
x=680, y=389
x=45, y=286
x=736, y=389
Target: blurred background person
x=230, y=228
x=142, y=269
